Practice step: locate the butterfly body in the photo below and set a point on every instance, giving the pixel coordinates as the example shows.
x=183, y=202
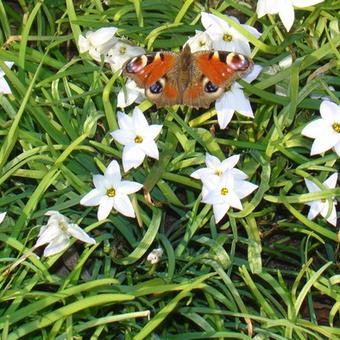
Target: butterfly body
x=193, y=79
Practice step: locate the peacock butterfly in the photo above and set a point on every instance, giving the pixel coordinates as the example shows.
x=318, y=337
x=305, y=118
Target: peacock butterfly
x=193, y=79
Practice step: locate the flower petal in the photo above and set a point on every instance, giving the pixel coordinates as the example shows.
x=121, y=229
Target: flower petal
x=331, y=218
x=104, y=208
x=286, y=13
x=128, y=187
x=315, y=128
x=57, y=245
x=311, y=186
x=154, y=130
x=102, y=35
x=220, y=210
x=330, y=182
x=123, y=204
x=133, y=157
x=230, y=162
x=315, y=209
x=244, y=188
x=113, y=171
x=92, y=198
x=48, y=234
x=305, y=3
x=322, y=144
x=224, y=111
x=4, y=87
x=2, y=216
x=330, y=112
x=266, y=7
x=79, y=233
x=149, y=147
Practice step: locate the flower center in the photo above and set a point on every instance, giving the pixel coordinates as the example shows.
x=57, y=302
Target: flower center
x=138, y=139
x=202, y=43
x=323, y=200
x=111, y=192
x=218, y=172
x=336, y=127
x=122, y=50
x=63, y=226
x=224, y=191
x=227, y=37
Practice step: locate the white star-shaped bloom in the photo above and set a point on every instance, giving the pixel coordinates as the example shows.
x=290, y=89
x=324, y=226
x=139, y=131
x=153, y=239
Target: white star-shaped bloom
x=57, y=233
x=98, y=42
x=285, y=9
x=121, y=52
x=235, y=100
x=224, y=36
x=4, y=87
x=111, y=192
x=137, y=136
x=326, y=130
x=225, y=191
x=322, y=206
x=131, y=94
x=201, y=41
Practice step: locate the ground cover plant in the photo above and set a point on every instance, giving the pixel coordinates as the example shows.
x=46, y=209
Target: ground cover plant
x=121, y=220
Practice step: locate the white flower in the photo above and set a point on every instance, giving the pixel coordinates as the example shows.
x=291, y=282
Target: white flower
x=121, y=52
x=235, y=100
x=225, y=37
x=130, y=94
x=322, y=206
x=4, y=87
x=2, y=216
x=326, y=130
x=97, y=43
x=217, y=168
x=111, y=192
x=137, y=136
x=201, y=41
x=155, y=255
x=285, y=9
x=57, y=233
x=225, y=191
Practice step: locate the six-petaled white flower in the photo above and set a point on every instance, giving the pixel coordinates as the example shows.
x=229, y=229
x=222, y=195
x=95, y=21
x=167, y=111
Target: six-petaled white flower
x=4, y=87
x=225, y=191
x=111, y=192
x=201, y=41
x=2, y=216
x=235, y=100
x=155, y=255
x=130, y=94
x=225, y=37
x=322, y=206
x=57, y=232
x=119, y=53
x=98, y=42
x=137, y=136
x=326, y=130
x=285, y=9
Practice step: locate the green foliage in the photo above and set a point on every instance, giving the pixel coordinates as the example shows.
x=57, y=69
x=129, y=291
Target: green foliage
x=266, y=272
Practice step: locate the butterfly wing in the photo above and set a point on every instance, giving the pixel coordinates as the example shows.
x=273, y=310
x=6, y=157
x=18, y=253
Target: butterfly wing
x=211, y=73
x=156, y=73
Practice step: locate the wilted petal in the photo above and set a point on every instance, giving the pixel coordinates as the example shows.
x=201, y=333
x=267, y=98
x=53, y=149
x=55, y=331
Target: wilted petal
x=104, y=208
x=48, y=234
x=123, y=204
x=102, y=35
x=57, y=245
x=83, y=44
x=79, y=233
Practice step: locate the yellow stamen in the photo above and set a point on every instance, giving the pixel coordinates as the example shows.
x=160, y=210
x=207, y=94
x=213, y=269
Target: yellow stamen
x=122, y=50
x=138, y=139
x=227, y=37
x=336, y=127
x=111, y=192
x=224, y=191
